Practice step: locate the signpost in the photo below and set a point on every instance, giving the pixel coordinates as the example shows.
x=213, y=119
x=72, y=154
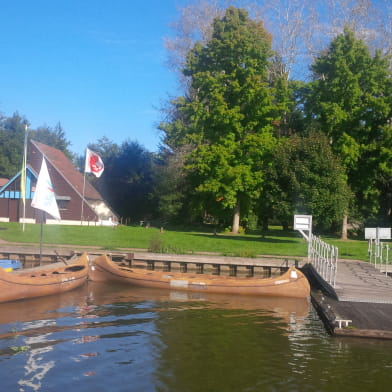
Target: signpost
x=303, y=223
x=377, y=233
x=374, y=235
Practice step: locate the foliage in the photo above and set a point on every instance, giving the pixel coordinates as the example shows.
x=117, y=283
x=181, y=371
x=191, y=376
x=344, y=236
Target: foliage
x=351, y=101
x=12, y=135
x=127, y=179
x=53, y=137
x=306, y=178
x=170, y=187
x=227, y=115
x=12, y=131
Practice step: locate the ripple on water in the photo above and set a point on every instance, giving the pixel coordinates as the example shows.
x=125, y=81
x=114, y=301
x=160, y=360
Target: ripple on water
x=122, y=339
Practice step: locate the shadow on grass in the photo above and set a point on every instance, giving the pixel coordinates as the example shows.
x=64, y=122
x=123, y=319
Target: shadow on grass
x=266, y=240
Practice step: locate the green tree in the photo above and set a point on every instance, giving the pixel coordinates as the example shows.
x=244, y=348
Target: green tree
x=12, y=135
x=350, y=101
x=105, y=148
x=227, y=116
x=12, y=131
x=170, y=187
x=126, y=182
x=306, y=178
x=53, y=137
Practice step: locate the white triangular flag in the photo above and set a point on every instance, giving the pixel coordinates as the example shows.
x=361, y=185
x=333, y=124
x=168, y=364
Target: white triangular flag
x=44, y=198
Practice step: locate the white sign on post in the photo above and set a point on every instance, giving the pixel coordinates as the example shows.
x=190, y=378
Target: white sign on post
x=379, y=233
x=302, y=222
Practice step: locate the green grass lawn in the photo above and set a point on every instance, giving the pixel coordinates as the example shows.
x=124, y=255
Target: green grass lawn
x=274, y=242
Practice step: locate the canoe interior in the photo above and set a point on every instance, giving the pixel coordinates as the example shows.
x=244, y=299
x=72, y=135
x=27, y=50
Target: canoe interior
x=292, y=283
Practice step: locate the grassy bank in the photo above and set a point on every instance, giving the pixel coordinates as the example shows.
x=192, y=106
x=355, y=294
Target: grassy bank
x=274, y=242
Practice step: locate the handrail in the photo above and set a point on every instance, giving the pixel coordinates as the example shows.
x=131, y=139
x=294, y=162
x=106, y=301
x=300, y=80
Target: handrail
x=379, y=254
x=324, y=258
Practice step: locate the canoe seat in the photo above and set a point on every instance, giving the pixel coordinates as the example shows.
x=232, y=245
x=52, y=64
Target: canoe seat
x=75, y=268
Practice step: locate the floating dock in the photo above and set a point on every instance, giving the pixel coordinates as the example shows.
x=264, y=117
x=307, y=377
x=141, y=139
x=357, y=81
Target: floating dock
x=360, y=304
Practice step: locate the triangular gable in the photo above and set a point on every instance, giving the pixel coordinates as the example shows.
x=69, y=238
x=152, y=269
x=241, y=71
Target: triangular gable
x=68, y=171
x=30, y=176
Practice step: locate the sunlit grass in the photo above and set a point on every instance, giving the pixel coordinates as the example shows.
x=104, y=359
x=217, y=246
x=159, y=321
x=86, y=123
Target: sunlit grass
x=274, y=242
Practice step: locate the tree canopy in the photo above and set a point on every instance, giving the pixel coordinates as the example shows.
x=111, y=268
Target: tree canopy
x=351, y=102
x=227, y=114
x=244, y=140
x=306, y=177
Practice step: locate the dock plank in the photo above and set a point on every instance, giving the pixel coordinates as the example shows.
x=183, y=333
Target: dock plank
x=363, y=295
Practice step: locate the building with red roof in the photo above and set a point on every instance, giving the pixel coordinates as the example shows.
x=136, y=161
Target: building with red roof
x=75, y=195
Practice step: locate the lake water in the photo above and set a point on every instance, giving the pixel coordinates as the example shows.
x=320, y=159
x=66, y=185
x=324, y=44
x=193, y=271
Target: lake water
x=116, y=338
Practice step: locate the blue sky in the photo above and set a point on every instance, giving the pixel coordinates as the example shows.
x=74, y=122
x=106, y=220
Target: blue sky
x=95, y=66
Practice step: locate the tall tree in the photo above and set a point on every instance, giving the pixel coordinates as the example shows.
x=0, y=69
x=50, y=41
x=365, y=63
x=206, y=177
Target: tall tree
x=351, y=101
x=127, y=179
x=228, y=112
x=305, y=178
x=170, y=186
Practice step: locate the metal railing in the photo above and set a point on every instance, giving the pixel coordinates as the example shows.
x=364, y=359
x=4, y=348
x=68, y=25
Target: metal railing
x=324, y=258
x=379, y=255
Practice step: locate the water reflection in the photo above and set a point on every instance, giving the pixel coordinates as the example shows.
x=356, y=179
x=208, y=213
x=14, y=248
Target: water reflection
x=36, y=366
x=118, y=338
x=231, y=341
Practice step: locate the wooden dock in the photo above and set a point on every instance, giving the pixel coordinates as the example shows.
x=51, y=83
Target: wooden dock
x=360, y=304
x=30, y=254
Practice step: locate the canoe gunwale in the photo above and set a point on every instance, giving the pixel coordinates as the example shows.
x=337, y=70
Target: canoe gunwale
x=18, y=285
x=103, y=269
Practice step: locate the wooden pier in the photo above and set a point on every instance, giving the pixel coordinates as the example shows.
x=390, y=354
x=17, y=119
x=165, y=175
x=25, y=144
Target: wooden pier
x=32, y=257
x=360, y=304
x=192, y=262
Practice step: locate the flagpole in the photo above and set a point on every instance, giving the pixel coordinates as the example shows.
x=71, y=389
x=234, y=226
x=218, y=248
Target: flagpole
x=84, y=185
x=41, y=235
x=24, y=177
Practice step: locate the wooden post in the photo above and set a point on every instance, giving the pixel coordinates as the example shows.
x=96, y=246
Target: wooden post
x=233, y=270
x=251, y=271
x=217, y=269
x=199, y=268
x=167, y=266
x=267, y=272
x=129, y=258
x=150, y=265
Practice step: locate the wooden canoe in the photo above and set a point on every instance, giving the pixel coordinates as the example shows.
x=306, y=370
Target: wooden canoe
x=292, y=283
x=42, y=281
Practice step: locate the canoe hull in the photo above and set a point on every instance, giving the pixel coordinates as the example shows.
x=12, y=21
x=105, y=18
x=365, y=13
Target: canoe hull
x=290, y=284
x=42, y=282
